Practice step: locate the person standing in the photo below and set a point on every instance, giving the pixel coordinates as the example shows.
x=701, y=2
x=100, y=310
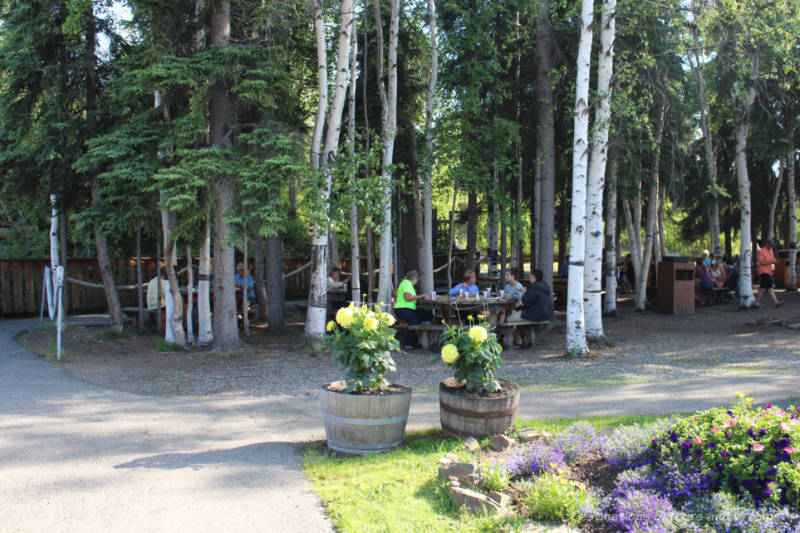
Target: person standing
x=766, y=262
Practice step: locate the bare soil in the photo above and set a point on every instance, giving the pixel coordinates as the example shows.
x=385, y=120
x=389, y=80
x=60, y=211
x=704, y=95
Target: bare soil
x=647, y=347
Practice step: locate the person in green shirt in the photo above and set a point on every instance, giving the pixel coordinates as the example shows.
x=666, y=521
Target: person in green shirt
x=405, y=307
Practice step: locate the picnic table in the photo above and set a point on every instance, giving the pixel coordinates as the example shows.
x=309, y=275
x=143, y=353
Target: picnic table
x=450, y=308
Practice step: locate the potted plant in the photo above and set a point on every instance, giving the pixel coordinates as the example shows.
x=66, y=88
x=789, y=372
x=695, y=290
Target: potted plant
x=364, y=413
x=474, y=403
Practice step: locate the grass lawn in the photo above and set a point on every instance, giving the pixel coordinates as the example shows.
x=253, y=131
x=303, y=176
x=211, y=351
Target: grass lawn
x=401, y=491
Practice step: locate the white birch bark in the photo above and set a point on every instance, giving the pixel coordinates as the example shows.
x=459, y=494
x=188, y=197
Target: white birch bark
x=174, y=331
x=317, y=296
x=746, y=298
x=640, y=303
x=388, y=134
x=427, y=189
x=773, y=205
x=576, y=333
x=355, y=254
x=593, y=271
x=610, y=305
x=189, y=296
x=790, y=186
x=205, y=333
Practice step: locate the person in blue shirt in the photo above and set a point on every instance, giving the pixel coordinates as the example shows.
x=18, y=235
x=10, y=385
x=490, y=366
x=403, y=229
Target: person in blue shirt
x=238, y=280
x=469, y=284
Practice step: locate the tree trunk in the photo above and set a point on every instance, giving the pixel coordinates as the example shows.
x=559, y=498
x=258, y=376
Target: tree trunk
x=220, y=118
x=317, y=296
x=773, y=205
x=388, y=133
x=175, y=332
x=593, y=284
x=275, y=285
x=545, y=106
x=452, y=240
x=635, y=251
x=139, y=279
x=427, y=188
x=611, y=235
x=576, y=333
x=472, y=230
x=662, y=245
x=333, y=250
x=652, y=212
x=369, y=237
x=355, y=254
x=189, y=296
x=246, y=261
x=746, y=298
x=261, y=288
x=159, y=316
x=491, y=221
x=708, y=144
x=205, y=333
x=790, y=189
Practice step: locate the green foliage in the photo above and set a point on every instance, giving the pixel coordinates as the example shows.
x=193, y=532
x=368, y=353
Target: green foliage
x=164, y=346
x=494, y=476
x=474, y=353
x=552, y=496
x=362, y=341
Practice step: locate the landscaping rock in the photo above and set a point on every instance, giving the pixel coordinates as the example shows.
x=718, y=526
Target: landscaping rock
x=503, y=500
x=471, y=444
x=474, y=501
x=529, y=435
x=501, y=442
x=465, y=474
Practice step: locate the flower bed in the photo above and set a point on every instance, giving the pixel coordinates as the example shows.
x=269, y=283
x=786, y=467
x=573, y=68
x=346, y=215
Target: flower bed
x=725, y=469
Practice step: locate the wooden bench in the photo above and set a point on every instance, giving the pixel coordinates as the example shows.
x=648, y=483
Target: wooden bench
x=429, y=334
x=505, y=331
x=151, y=314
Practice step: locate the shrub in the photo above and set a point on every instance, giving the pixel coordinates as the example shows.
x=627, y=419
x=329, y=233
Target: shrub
x=553, y=497
x=742, y=449
x=474, y=353
x=578, y=441
x=362, y=342
x=535, y=458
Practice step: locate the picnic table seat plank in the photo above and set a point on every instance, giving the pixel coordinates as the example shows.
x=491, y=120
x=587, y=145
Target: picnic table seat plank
x=505, y=330
x=428, y=334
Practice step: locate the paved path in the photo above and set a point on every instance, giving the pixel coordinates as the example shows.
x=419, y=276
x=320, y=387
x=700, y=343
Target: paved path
x=74, y=457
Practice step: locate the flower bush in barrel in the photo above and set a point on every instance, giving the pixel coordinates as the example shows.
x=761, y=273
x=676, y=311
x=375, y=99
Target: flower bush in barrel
x=364, y=413
x=475, y=402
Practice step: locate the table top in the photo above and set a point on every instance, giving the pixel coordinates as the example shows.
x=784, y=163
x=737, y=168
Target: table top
x=470, y=303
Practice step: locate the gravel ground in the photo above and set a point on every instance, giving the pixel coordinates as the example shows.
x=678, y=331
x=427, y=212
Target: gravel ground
x=645, y=348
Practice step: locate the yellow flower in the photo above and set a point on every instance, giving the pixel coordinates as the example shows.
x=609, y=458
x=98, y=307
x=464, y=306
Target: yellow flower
x=471, y=318
x=449, y=353
x=739, y=395
x=344, y=317
x=330, y=325
x=478, y=334
x=388, y=318
x=370, y=324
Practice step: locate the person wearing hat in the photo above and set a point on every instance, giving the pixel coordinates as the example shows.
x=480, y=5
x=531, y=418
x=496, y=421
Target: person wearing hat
x=766, y=260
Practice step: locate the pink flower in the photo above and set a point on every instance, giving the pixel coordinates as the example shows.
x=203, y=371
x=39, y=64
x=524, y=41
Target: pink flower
x=698, y=441
x=694, y=419
x=784, y=426
x=789, y=449
x=781, y=413
x=714, y=429
x=769, y=406
x=758, y=447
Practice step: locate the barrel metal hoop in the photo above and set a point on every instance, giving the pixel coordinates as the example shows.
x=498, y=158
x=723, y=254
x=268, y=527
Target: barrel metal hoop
x=480, y=416
x=364, y=421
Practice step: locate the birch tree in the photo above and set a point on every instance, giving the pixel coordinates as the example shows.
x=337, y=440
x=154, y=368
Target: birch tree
x=576, y=333
x=610, y=304
x=355, y=255
x=427, y=188
x=792, y=198
x=388, y=134
x=594, y=208
x=317, y=296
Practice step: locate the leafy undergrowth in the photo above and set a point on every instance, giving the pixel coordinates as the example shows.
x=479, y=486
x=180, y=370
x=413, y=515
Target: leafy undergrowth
x=730, y=469
x=400, y=490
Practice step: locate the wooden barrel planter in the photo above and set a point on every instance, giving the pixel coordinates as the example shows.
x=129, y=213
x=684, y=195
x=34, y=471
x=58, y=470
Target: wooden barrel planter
x=465, y=414
x=360, y=424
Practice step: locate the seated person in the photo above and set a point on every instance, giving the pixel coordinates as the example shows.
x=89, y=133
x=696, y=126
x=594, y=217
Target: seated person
x=536, y=305
x=513, y=289
x=405, y=308
x=152, y=292
x=239, y=281
x=563, y=270
x=718, y=274
x=469, y=284
x=334, y=284
x=702, y=274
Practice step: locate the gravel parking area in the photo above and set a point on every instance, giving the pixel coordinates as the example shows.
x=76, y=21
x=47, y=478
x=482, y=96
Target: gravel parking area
x=644, y=348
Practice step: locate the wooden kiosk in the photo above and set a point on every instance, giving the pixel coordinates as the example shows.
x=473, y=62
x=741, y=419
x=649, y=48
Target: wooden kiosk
x=676, y=286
